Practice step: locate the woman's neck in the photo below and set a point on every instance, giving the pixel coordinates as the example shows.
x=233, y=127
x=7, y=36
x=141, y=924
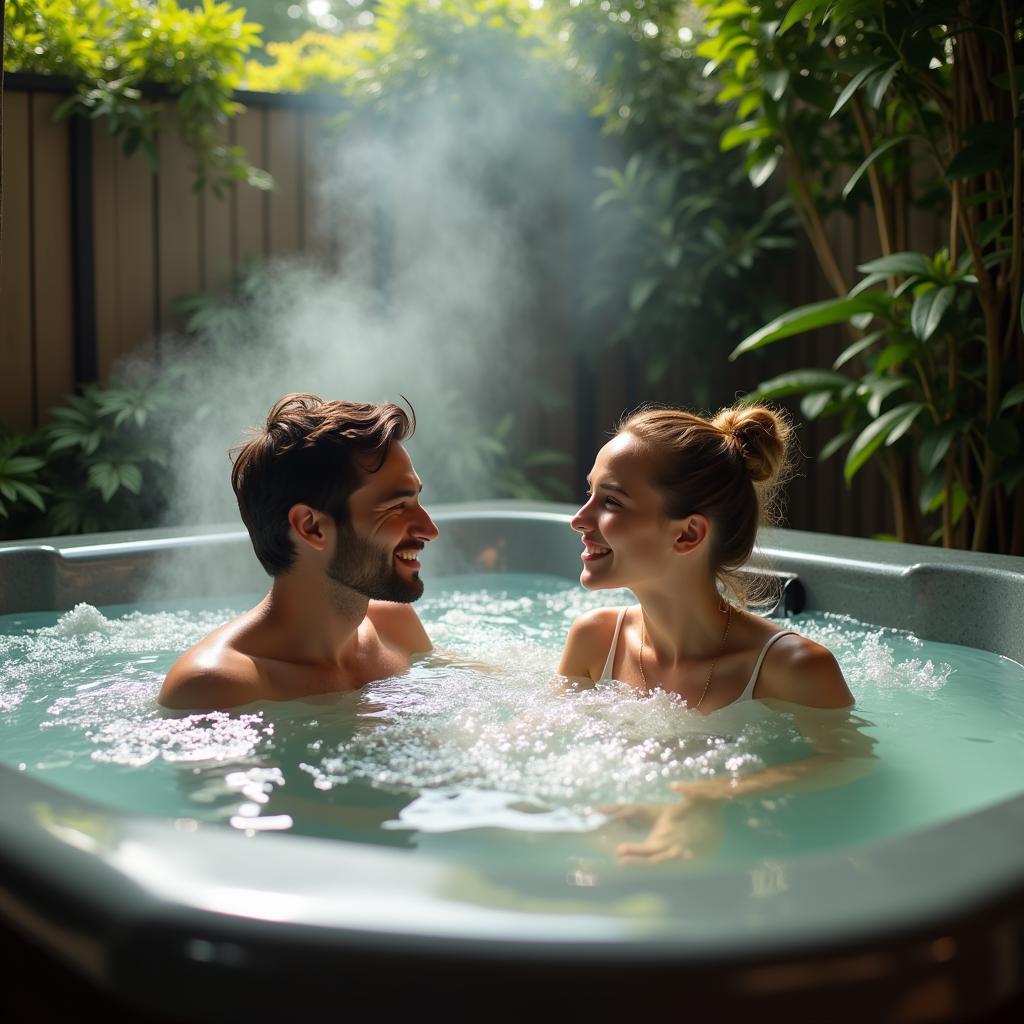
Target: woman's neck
x=684, y=621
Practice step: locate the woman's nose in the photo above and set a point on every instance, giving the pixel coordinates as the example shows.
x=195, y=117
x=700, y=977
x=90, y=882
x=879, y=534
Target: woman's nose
x=581, y=520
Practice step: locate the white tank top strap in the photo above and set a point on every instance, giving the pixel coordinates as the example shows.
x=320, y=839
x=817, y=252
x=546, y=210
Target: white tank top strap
x=610, y=661
x=748, y=692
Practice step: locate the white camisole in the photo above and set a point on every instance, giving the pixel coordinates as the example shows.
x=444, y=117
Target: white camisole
x=748, y=690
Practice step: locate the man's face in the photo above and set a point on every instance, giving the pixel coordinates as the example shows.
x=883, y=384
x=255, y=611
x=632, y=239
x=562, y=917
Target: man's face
x=376, y=550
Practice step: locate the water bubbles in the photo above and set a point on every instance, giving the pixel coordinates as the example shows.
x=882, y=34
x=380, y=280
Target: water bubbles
x=480, y=734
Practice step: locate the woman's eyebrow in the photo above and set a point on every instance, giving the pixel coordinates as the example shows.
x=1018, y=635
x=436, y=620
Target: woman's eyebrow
x=609, y=485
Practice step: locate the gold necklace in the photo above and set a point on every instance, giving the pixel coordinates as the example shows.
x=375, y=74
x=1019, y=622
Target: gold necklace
x=721, y=647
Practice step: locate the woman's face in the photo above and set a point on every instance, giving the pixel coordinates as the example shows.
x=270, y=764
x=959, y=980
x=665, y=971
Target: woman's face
x=627, y=537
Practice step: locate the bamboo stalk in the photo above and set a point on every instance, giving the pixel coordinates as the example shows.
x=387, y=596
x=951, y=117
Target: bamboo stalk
x=889, y=472
x=1017, y=540
x=812, y=221
x=883, y=216
x=1015, y=258
x=1002, y=528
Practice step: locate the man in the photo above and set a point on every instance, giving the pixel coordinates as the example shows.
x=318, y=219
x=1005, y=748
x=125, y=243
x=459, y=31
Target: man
x=331, y=501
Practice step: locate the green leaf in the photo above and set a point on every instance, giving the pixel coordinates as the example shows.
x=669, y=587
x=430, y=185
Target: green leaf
x=799, y=381
x=1010, y=475
x=798, y=10
x=988, y=196
x=928, y=310
x=879, y=85
x=936, y=443
x=880, y=388
x=131, y=477
x=761, y=171
x=640, y=292
x=906, y=263
x=1012, y=397
x=104, y=478
x=976, y=159
x=834, y=444
x=903, y=424
x=1002, y=80
x=746, y=132
x=854, y=350
x=814, y=404
x=31, y=494
x=19, y=465
x=1004, y=438
x=870, y=439
x=868, y=282
x=807, y=318
x=852, y=86
x=933, y=491
x=883, y=148
x=894, y=355
x=775, y=82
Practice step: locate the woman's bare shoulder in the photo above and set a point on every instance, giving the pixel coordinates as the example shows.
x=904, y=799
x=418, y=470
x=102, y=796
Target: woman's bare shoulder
x=802, y=671
x=587, y=643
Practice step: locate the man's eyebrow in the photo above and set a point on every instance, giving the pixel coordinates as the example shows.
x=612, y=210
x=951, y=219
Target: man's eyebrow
x=405, y=493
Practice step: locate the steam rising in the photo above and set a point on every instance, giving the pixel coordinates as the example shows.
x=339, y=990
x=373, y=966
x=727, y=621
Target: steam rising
x=444, y=252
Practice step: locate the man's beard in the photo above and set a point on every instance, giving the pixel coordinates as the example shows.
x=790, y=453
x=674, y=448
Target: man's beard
x=370, y=570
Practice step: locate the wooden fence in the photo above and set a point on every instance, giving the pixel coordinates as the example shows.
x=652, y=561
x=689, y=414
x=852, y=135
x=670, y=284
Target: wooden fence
x=97, y=248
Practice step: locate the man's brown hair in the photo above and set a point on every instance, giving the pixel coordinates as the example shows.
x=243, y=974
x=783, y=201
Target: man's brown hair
x=314, y=453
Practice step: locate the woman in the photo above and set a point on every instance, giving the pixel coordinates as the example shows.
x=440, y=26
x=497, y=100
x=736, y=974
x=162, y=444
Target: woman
x=675, y=503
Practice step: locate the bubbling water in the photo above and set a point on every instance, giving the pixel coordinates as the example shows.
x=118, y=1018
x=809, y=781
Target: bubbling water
x=480, y=740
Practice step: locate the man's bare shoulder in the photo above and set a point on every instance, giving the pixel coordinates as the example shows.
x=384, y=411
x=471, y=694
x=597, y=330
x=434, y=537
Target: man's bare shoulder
x=399, y=625
x=210, y=676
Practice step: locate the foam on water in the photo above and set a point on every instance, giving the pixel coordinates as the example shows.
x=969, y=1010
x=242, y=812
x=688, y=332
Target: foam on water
x=481, y=735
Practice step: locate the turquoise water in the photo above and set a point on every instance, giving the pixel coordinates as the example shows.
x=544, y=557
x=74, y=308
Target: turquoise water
x=478, y=753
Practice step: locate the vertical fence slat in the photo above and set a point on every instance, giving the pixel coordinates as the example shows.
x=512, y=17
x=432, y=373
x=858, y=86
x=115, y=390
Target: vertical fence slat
x=106, y=203
x=136, y=252
x=123, y=194
x=315, y=149
x=217, y=230
x=179, y=254
x=282, y=148
x=51, y=223
x=16, y=385
x=249, y=202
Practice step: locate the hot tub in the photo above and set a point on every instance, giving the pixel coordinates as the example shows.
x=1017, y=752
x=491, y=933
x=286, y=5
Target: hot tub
x=201, y=924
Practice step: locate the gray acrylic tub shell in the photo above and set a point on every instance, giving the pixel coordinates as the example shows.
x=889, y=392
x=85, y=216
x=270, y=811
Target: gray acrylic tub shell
x=125, y=898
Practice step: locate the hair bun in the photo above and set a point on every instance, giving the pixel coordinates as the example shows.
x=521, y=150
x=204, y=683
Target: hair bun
x=762, y=436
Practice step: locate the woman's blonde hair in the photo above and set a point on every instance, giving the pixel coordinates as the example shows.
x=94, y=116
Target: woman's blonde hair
x=730, y=468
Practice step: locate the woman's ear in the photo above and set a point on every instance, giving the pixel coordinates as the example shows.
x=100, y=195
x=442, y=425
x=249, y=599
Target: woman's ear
x=310, y=526
x=691, y=532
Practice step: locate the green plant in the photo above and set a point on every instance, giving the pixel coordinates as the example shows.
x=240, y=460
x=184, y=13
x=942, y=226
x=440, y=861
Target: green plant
x=98, y=464
x=20, y=483
x=315, y=62
x=104, y=444
x=900, y=104
x=682, y=235
x=116, y=51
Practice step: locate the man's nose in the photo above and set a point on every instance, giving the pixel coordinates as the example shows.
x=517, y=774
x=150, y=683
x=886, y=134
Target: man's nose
x=426, y=529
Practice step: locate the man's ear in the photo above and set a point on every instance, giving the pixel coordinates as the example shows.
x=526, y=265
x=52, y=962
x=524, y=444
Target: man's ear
x=691, y=532
x=311, y=527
